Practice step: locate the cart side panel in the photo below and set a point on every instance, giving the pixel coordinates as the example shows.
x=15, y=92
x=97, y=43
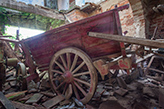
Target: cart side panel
x=97, y=47
x=44, y=46
x=44, y=49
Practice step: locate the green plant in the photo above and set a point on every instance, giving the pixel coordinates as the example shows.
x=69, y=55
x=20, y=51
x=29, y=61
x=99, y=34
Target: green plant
x=23, y=19
x=3, y=19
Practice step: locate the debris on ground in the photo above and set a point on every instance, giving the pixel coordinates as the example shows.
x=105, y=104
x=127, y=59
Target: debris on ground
x=134, y=91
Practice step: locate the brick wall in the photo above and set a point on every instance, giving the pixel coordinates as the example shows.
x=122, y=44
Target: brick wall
x=152, y=19
x=132, y=19
x=138, y=15
x=76, y=14
x=138, y=20
x=157, y=21
x=127, y=19
x=126, y=16
x=71, y=3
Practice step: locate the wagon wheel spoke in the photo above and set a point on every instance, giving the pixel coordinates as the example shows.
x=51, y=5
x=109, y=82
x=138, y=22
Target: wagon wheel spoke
x=60, y=66
x=68, y=60
x=80, y=74
x=63, y=61
x=80, y=66
x=73, y=66
x=54, y=79
x=65, y=87
x=57, y=77
x=81, y=81
x=80, y=88
x=57, y=71
x=60, y=85
x=75, y=91
x=42, y=74
x=74, y=62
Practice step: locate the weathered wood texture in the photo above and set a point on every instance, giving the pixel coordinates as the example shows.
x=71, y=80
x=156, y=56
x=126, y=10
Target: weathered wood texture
x=6, y=103
x=35, y=98
x=71, y=57
x=52, y=102
x=128, y=39
x=15, y=94
x=30, y=9
x=9, y=40
x=43, y=46
x=101, y=67
x=19, y=105
x=5, y=36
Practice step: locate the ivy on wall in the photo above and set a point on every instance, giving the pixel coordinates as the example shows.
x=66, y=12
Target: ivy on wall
x=3, y=19
x=36, y=21
x=27, y=20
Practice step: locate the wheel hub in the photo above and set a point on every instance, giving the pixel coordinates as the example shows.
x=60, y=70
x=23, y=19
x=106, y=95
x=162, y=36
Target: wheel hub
x=68, y=76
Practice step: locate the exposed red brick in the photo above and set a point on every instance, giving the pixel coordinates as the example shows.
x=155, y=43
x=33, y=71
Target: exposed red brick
x=76, y=15
x=70, y=1
x=132, y=2
x=129, y=22
x=112, y=7
x=128, y=17
x=123, y=3
x=153, y=23
x=137, y=14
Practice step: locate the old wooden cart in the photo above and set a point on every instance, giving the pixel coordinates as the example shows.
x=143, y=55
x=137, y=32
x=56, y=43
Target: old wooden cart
x=71, y=56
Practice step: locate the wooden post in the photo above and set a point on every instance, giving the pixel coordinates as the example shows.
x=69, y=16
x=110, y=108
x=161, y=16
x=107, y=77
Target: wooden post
x=118, y=24
x=129, y=39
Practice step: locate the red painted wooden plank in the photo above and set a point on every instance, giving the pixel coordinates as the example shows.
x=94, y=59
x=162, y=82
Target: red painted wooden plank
x=43, y=46
x=75, y=24
x=45, y=57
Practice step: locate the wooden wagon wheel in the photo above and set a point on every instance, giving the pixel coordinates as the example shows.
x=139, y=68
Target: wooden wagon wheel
x=71, y=67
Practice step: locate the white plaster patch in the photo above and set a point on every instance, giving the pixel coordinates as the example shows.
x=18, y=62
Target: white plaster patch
x=33, y=2
x=140, y=30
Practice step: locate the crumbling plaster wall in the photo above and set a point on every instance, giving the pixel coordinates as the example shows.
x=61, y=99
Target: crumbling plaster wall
x=127, y=20
x=156, y=22
x=108, y=4
x=76, y=15
x=33, y=2
x=146, y=19
x=63, y=4
x=139, y=19
x=132, y=19
x=153, y=19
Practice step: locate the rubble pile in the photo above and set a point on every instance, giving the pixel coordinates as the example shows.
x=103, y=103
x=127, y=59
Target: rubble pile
x=134, y=91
